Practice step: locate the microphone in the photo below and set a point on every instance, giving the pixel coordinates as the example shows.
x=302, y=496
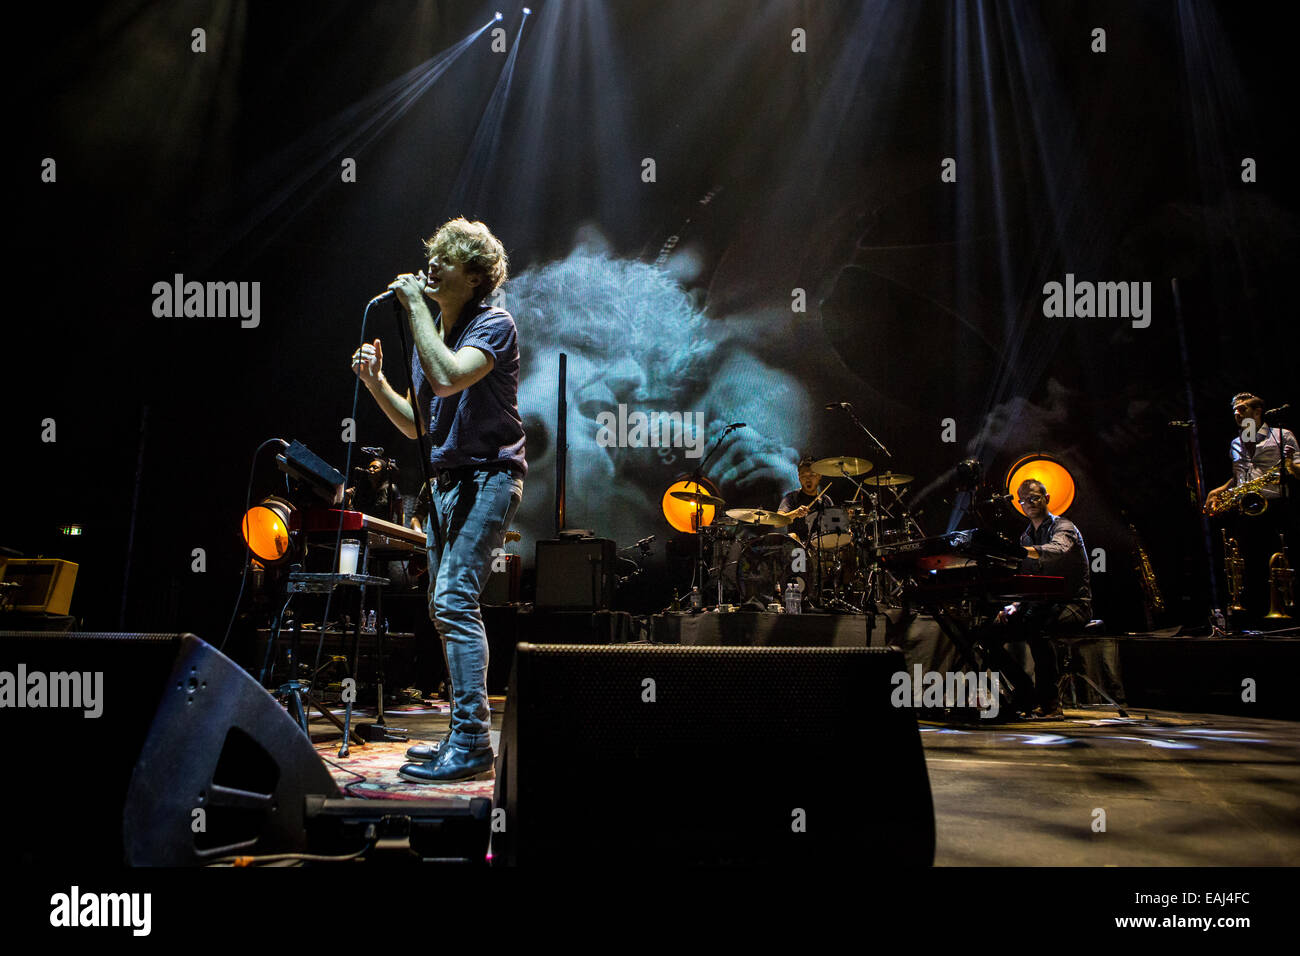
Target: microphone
x=834, y=405
x=1181, y=425
x=734, y=425
x=389, y=293
x=644, y=544
x=1276, y=411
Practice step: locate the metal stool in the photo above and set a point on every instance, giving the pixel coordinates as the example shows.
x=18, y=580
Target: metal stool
x=1071, y=669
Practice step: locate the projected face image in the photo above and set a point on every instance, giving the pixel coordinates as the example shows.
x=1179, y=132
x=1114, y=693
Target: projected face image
x=649, y=392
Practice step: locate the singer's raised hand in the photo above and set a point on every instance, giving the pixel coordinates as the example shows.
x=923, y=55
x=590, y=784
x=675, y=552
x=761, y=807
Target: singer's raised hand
x=368, y=363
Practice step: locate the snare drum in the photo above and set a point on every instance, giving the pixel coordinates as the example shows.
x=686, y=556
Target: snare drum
x=830, y=529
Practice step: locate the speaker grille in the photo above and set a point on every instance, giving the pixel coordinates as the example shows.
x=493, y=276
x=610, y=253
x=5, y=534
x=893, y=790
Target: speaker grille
x=711, y=755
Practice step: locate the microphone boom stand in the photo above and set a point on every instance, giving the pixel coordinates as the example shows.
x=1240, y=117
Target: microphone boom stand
x=697, y=519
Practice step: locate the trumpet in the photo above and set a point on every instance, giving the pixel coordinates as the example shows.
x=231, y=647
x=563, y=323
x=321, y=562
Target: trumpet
x=1281, y=587
x=1247, y=497
x=1235, y=568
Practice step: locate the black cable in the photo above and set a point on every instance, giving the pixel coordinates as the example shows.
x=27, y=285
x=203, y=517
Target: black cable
x=248, y=503
x=355, y=783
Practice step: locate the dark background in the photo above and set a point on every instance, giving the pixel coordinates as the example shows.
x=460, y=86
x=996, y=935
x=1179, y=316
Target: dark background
x=224, y=165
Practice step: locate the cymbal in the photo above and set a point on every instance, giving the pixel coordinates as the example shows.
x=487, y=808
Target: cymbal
x=839, y=467
x=773, y=519
x=694, y=496
x=888, y=478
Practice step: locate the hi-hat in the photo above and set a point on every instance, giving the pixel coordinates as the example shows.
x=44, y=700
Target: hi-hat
x=840, y=467
x=695, y=497
x=773, y=519
x=888, y=478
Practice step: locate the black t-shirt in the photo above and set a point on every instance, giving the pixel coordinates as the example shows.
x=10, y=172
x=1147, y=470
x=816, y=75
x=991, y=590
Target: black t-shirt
x=479, y=425
x=795, y=499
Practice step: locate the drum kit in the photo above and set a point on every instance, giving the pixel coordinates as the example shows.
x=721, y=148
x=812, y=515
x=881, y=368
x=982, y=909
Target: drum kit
x=752, y=555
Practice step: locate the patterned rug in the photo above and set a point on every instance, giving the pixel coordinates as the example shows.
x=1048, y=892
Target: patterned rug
x=496, y=704
x=378, y=764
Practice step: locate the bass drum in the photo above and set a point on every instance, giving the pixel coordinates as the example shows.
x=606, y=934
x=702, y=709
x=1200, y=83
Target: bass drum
x=762, y=566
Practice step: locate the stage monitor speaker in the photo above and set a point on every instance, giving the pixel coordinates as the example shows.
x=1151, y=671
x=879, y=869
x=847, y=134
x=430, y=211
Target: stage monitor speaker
x=74, y=708
x=575, y=574
x=223, y=771
x=119, y=738
x=710, y=756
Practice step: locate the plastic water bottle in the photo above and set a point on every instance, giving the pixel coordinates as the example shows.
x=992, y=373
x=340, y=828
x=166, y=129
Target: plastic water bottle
x=793, y=599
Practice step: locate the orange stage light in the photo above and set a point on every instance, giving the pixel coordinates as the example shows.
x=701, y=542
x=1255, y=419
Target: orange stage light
x=266, y=529
x=1054, y=476
x=680, y=513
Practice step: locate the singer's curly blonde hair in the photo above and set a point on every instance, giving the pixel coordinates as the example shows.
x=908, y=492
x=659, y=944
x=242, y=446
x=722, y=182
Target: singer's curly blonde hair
x=473, y=246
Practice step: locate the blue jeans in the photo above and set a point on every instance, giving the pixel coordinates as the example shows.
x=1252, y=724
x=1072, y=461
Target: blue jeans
x=466, y=524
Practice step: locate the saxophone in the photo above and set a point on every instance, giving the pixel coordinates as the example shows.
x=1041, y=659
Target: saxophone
x=1247, y=496
x=1155, y=601
x=1235, y=567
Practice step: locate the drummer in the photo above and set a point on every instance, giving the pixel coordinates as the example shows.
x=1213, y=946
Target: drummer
x=796, y=504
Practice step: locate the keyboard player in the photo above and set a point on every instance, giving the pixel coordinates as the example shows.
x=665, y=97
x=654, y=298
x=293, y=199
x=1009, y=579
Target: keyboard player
x=1054, y=546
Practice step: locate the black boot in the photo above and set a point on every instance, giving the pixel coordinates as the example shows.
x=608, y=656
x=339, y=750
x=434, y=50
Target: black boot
x=452, y=763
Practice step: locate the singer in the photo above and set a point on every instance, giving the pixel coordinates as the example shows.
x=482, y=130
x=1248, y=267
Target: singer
x=465, y=370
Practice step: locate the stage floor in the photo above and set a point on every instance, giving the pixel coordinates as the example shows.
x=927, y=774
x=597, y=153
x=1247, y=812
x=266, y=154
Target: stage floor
x=1175, y=789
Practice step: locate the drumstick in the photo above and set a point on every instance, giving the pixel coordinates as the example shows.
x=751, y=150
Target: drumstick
x=819, y=496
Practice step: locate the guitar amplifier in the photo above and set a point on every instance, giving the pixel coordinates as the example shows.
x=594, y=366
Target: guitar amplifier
x=503, y=580
x=44, y=584
x=575, y=574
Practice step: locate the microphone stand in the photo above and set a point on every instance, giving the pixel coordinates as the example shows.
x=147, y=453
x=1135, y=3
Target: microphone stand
x=848, y=409
x=1285, y=497
x=869, y=606
x=697, y=519
x=1194, y=450
x=379, y=730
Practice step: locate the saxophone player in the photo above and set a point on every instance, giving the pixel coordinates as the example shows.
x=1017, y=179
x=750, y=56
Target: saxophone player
x=1256, y=453
x=1256, y=458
